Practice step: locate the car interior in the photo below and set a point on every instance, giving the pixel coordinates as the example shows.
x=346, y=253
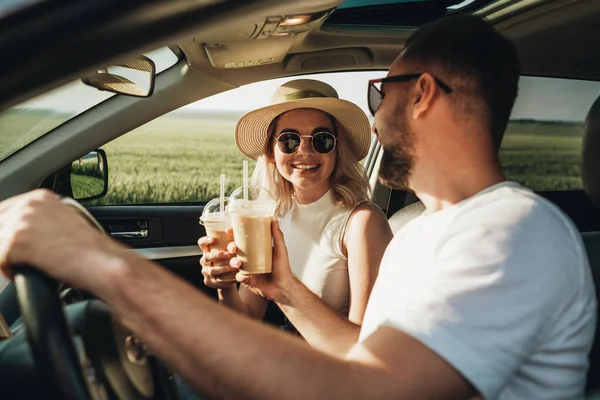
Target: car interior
x=223, y=46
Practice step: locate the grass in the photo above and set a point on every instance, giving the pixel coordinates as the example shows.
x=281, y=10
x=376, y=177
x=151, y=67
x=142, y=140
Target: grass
x=178, y=158
x=543, y=156
x=86, y=186
x=19, y=128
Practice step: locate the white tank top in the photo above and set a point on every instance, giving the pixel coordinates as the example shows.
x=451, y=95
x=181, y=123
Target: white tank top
x=313, y=235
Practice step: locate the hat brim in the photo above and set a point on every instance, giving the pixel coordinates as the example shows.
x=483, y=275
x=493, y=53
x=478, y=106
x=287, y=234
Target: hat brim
x=251, y=129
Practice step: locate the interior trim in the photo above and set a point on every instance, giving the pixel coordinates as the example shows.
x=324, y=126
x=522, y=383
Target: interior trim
x=156, y=253
x=160, y=253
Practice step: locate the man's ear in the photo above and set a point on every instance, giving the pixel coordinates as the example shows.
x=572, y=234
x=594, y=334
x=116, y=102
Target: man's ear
x=425, y=91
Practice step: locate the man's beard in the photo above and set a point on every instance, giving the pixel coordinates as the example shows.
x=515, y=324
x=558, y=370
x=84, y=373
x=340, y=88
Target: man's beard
x=396, y=165
x=398, y=158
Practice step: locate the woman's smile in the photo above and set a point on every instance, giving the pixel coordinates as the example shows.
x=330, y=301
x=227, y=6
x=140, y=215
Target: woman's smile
x=306, y=167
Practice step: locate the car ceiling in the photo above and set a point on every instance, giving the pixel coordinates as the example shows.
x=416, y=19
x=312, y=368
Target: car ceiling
x=558, y=38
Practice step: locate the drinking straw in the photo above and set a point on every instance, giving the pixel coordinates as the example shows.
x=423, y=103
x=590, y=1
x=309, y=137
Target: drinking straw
x=222, y=196
x=245, y=180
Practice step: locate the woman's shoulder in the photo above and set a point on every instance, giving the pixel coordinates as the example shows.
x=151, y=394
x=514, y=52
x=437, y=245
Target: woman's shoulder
x=366, y=216
x=368, y=209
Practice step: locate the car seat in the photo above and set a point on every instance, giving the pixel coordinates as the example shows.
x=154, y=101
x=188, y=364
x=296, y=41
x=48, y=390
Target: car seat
x=590, y=173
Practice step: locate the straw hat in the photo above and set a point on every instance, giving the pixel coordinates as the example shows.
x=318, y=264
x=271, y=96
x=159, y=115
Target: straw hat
x=251, y=129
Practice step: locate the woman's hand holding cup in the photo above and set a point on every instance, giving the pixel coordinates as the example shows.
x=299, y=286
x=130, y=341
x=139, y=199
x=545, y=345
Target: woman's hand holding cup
x=215, y=259
x=217, y=272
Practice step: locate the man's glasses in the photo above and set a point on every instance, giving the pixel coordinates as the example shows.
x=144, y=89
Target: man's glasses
x=322, y=142
x=375, y=95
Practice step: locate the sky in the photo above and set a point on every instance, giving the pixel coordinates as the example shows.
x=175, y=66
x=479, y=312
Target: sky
x=539, y=98
x=350, y=86
x=554, y=99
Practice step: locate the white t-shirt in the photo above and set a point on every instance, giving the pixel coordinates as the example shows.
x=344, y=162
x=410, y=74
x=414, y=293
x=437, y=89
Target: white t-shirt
x=498, y=285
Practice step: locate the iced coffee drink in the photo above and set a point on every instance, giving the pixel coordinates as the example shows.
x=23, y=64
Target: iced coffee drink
x=251, y=220
x=216, y=223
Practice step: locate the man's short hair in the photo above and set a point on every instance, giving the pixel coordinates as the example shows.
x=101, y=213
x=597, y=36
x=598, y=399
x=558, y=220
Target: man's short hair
x=480, y=61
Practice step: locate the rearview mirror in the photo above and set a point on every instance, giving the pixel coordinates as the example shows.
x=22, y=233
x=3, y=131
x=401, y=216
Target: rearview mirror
x=132, y=78
x=89, y=176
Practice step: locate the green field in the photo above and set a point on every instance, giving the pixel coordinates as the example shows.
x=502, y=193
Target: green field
x=543, y=156
x=85, y=186
x=18, y=128
x=176, y=158
x=179, y=157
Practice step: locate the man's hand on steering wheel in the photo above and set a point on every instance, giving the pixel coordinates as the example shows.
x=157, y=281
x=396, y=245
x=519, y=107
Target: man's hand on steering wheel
x=37, y=229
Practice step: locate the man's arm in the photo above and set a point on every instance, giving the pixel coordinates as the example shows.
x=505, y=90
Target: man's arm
x=220, y=352
x=225, y=355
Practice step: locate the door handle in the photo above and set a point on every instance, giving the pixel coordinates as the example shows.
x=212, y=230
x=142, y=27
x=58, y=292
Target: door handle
x=128, y=228
x=142, y=233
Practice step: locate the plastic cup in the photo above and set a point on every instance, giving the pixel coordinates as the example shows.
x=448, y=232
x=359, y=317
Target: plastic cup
x=216, y=223
x=251, y=220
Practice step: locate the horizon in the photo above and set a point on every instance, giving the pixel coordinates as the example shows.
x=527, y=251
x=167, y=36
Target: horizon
x=543, y=99
x=208, y=112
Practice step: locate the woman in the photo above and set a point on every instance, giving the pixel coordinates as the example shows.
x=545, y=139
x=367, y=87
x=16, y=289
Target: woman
x=308, y=144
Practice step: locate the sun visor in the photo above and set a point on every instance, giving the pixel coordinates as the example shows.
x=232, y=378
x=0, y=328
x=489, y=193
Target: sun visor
x=260, y=42
x=248, y=53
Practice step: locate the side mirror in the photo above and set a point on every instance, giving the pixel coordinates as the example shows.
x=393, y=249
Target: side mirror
x=133, y=78
x=89, y=176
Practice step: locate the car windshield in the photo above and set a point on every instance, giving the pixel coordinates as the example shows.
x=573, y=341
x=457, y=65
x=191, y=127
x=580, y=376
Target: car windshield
x=28, y=121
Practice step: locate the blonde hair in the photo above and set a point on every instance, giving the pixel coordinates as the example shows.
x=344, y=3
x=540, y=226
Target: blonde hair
x=349, y=182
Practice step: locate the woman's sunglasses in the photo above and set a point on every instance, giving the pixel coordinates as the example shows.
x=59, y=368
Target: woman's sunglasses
x=375, y=94
x=322, y=142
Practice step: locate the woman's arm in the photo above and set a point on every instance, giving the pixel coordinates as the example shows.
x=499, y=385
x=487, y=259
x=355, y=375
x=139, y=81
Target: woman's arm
x=255, y=304
x=367, y=236
x=244, y=301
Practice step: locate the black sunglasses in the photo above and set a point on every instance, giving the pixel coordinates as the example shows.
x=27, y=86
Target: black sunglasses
x=289, y=142
x=375, y=95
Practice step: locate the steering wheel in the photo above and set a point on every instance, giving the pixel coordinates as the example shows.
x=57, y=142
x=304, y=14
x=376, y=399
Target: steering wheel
x=98, y=357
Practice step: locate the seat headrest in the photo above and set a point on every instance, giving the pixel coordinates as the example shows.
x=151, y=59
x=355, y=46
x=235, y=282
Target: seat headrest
x=590, y=168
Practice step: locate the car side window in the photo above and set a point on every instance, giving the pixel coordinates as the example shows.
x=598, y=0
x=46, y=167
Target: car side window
x=178, y=157
x=541, y=148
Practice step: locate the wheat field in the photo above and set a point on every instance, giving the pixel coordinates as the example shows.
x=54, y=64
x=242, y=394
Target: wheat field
x=178, y=158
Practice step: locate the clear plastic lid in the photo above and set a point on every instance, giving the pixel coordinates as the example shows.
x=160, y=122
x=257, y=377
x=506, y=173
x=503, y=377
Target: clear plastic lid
x=260, y=202
x=212, y=211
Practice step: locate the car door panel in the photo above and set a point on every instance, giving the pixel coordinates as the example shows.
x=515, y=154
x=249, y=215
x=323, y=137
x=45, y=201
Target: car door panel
x=165, y=234
x=166, y=225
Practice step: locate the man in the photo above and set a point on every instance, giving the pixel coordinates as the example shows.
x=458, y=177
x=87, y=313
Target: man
x=487, y=294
